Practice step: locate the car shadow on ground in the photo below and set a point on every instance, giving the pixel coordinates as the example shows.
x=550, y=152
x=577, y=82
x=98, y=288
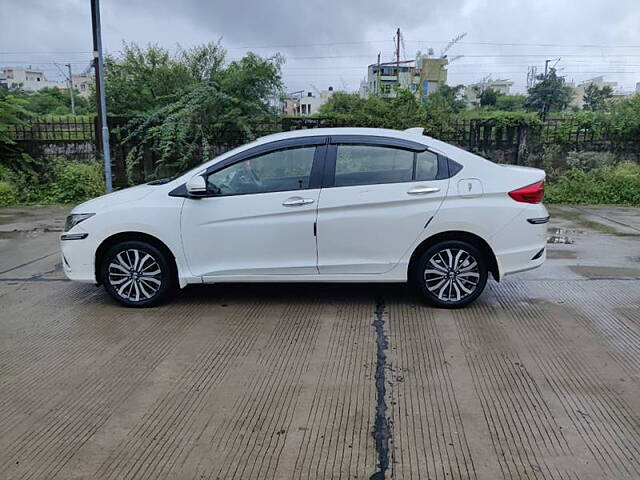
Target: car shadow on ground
x=294, y=292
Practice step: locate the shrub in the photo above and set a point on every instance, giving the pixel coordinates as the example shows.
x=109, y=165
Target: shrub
x=619, y=184
x=8, y=193
x=74, y=182
x=590, y=160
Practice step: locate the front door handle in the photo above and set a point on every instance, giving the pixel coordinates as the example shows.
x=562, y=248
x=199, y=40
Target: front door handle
x=297, y=201
x=423, y=190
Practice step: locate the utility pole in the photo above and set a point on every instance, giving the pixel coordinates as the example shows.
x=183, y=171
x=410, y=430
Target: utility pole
x=398, y=56
x=98, y=65
x=73, y=102
x=378, y=77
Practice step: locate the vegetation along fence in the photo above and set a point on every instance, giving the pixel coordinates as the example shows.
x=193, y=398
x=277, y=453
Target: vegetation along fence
x=78, y=138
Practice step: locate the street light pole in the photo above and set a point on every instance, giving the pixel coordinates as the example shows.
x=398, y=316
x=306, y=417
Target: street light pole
x=98, y=64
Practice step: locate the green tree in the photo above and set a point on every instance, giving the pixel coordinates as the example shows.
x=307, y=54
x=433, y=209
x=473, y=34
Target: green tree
x=549, y=94
x=510, y=103
x=191, y=101
x=54, y=101
x=342, y=103
x=138, y=79
x=596, y=99
x=625, y=120
x=489, y=97
x=447, y=98
x=12, y=113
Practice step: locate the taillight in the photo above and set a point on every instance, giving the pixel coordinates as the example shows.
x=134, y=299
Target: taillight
x=530, y=194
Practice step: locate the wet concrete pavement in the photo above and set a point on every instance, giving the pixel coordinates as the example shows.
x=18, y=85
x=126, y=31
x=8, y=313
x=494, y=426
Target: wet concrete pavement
x=538, y=380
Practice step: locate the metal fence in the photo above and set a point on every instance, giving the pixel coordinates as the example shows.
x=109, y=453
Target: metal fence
x=77, y=138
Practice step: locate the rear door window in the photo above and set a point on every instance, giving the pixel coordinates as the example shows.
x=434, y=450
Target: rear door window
x=368, y=164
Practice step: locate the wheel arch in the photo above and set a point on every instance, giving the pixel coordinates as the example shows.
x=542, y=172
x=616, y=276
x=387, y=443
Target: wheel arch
x=132, y=236
x=460, y=235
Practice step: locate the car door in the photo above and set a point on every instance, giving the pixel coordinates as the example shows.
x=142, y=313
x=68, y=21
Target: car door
x=377, y=199
x=258, y=215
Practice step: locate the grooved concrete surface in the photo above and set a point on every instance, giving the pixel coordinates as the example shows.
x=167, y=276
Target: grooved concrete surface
x=540, y=379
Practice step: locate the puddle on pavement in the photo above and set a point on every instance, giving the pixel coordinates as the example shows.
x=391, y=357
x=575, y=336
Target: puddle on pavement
x=561, y=254
x=563, y=235
x=7, y=218
x=559, y=239
x=26, y=234
x=566, y=231
x=593, y=272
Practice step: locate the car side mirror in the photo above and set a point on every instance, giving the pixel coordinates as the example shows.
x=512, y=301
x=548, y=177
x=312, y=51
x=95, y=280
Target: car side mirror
x=197, y=186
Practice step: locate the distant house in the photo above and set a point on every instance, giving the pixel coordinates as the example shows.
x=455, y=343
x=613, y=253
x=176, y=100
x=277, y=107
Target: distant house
x=28, y=79
x=579, y=89
x=82, y=84
x=422, y=76
x=305, y=104
x=33, y=80
x=473, y=92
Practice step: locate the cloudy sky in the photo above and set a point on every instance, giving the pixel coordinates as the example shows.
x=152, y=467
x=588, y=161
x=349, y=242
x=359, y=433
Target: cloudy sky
x=328, y=42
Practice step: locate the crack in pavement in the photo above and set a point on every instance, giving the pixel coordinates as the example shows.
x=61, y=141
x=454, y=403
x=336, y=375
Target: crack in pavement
x=381, y=428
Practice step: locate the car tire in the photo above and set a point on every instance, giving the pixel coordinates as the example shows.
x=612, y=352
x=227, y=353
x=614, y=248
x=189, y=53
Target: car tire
x=137, y=274
x=451, y=274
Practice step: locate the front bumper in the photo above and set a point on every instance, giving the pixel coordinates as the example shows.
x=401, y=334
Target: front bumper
x=78, y=258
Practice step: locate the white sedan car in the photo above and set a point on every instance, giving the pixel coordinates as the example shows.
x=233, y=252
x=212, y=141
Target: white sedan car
x=320, y=205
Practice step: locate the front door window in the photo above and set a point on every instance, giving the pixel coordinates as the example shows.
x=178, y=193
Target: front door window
x=278, y=171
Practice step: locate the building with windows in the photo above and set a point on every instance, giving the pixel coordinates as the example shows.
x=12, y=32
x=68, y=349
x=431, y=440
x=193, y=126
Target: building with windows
x=422, y=76
x=300, y=104
x=473, y=92
x=33, y=80
x=28, y=79
x=578, y=90
x=82, y=84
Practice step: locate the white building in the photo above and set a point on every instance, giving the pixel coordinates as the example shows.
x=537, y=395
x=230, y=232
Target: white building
x=33, y=80
x=473, y=92
x=579, y=90
x=82, y=84
x=306, y=105
x=28, y=79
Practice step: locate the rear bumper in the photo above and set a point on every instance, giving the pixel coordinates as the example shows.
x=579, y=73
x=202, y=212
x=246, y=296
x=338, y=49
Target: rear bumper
x=521, y=244
x=521, y=260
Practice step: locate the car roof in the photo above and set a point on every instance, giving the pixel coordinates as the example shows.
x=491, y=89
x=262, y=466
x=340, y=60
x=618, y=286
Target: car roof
x=316, y=132
x=412, y=134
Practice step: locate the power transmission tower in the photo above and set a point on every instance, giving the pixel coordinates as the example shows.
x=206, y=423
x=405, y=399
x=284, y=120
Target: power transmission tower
x=98, y=63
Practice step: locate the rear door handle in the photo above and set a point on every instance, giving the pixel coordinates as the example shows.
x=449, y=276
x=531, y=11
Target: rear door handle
x=423, y=190
x=297, y=201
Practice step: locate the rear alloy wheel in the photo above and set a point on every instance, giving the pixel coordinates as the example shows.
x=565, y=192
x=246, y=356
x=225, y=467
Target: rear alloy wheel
x=137, y=274
x=451, y=274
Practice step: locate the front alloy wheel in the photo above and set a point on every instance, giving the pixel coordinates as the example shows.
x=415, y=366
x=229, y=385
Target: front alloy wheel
x=451, y=274
x=136, y=274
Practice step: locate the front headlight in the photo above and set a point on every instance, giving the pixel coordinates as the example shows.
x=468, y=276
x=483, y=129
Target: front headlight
x=76, y=218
